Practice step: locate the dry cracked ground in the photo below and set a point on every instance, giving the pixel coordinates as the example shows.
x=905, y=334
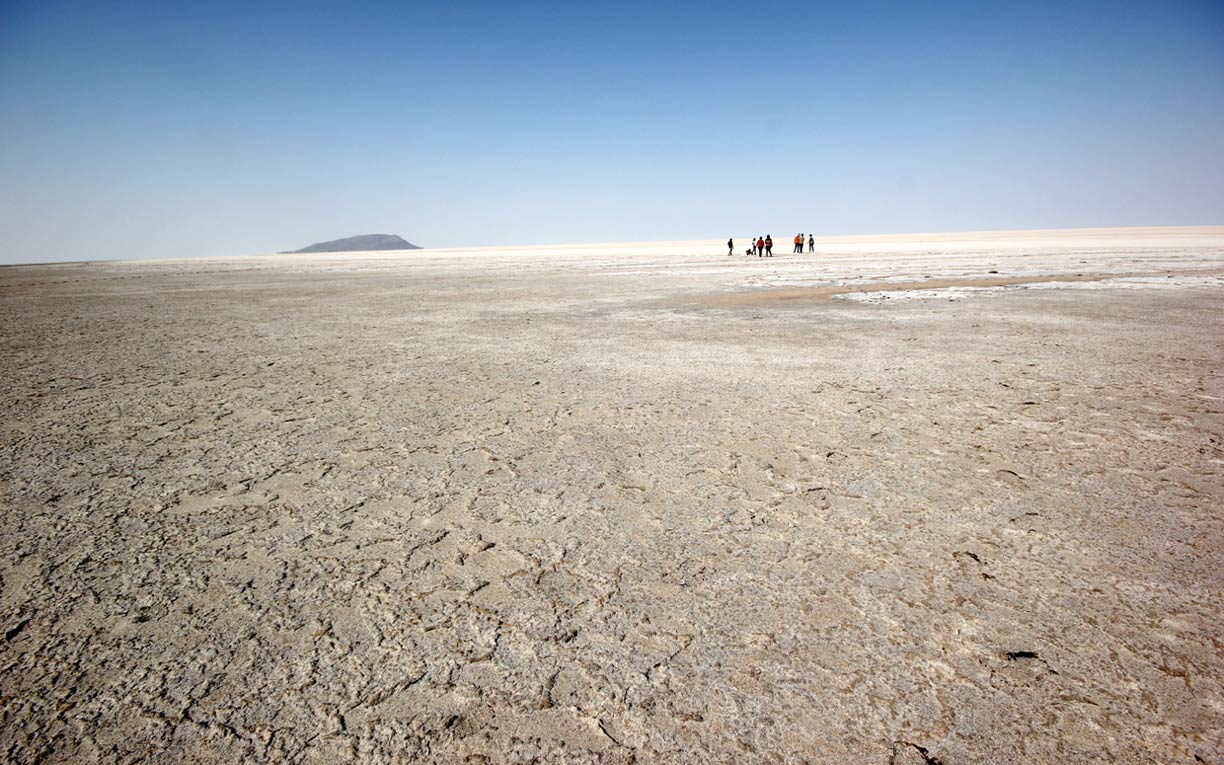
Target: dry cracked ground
x=619, y=505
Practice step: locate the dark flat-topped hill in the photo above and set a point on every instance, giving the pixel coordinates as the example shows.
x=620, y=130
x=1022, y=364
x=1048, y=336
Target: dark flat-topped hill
x=362, y=243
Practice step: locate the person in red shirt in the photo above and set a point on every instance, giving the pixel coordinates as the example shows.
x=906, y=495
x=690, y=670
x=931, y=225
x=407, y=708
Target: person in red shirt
x=798, y=243
x=760, y=244
x=768, y=246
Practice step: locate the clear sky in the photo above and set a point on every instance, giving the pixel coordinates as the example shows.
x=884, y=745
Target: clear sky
x=144, y=129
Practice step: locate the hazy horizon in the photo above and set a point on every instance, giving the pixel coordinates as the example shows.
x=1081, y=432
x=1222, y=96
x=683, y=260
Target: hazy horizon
x=137, y=132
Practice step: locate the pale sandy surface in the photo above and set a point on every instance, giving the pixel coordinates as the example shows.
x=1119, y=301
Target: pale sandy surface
x=640, y=503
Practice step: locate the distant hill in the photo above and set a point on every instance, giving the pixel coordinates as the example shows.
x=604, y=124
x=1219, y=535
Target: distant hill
x=362, y=243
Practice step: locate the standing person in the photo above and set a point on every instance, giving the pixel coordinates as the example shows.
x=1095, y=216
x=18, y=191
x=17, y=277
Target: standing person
x=798, y=243
x=730, y=247
x=769, y=245
x=760, y=246
x=811, y=243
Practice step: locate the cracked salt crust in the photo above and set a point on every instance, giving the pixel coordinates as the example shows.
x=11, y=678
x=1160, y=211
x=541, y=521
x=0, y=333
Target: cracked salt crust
x=960, y=293
x=511, y=506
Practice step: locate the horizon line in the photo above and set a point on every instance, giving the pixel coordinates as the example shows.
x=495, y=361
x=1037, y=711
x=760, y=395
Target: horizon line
x=988, y=233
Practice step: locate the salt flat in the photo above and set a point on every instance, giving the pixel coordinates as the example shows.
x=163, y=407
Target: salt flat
x=948, y=498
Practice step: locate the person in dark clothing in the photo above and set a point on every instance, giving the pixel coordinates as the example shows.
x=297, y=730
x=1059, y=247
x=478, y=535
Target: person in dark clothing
x=730, y=247
x=811, y=243
x=769, y=245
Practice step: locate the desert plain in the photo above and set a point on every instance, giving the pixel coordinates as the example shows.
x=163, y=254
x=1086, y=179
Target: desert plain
x=941, y=499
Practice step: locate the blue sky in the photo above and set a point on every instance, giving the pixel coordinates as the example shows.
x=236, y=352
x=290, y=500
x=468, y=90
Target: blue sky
x=189, y=129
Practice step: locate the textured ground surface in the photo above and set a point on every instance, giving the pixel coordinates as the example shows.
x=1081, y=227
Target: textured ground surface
x=579, y=505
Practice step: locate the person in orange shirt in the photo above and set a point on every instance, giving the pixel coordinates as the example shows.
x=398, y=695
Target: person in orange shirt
x=760, y=244
x=799, y=243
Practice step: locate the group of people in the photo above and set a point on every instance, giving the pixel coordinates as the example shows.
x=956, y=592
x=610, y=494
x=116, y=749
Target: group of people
x=762, y=247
